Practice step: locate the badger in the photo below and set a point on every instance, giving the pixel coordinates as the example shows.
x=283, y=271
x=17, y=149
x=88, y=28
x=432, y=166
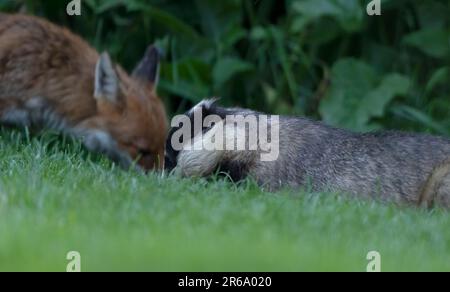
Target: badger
x=296, y=152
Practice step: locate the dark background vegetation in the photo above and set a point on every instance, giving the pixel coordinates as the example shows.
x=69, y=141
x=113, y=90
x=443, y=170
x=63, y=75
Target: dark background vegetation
x=326, y=59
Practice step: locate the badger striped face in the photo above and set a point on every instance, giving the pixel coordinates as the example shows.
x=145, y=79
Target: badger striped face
x=209, y=137
x=174, y=138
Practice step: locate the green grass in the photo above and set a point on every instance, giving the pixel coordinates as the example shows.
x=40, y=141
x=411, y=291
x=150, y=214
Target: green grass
x=55, y=198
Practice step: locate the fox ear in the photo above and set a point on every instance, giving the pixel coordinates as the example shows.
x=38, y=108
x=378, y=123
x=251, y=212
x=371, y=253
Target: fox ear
x=106, y=80
x=148, y=69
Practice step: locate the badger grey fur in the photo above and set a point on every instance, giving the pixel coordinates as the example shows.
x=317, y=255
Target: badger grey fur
x=390, y=166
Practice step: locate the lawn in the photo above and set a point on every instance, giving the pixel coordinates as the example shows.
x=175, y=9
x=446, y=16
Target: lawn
x=55, y=198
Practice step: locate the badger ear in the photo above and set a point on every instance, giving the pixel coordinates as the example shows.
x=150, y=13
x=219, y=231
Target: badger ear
x=148, y=68
x=106, y=80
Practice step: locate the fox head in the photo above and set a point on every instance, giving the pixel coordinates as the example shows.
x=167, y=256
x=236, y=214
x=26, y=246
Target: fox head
x=129, y=112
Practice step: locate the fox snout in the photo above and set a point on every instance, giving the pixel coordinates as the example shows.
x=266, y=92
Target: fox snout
x=149, y=161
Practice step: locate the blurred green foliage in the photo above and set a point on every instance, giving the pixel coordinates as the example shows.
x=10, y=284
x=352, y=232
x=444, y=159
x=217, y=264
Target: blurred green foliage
x=321, y=58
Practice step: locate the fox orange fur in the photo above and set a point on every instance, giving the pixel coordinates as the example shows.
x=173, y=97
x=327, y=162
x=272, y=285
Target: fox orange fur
x=51, y=78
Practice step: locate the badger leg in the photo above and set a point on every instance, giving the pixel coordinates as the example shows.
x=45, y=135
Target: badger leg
x=436, y=190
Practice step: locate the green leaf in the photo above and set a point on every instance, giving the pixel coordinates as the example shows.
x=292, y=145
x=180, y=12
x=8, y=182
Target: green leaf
x=349, y=13
x=433, y=42
x=109, y=5
x=317, y=8
x=282, y=56
x=227, y=68
x=189, y=78
x=230, y=38
x=165, y=18
x=357, y=94
x=351, y=80
x=374, y=103
x=442, y=75
x=299, y=23
x=184, y=89
x=420, y=117
x=258, y=33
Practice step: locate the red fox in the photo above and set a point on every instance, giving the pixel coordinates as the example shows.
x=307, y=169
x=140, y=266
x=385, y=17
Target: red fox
x=51, y=78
